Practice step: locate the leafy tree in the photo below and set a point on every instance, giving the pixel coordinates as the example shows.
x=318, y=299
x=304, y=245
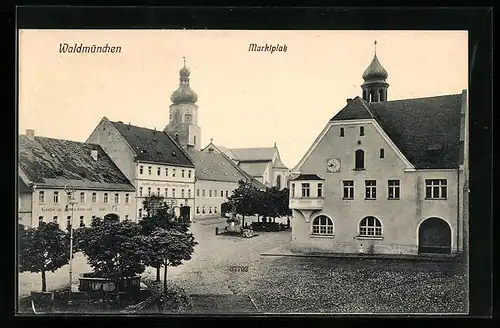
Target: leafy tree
x=159, y=215
x=43, y=249
x=170, y=247
x=285, y=202
x=245, y=199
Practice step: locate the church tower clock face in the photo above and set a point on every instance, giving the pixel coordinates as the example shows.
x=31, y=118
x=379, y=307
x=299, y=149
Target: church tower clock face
x=333, y=165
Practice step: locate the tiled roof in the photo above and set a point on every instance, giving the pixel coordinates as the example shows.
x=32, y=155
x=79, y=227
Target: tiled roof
x=255, y=169
x=426, y=130
x=54, y=163
x=216, y=167
x=254, y=154
x=153, y=146
x=307, y=177
x=278, y=164
x=22, y=188
x=226, y=151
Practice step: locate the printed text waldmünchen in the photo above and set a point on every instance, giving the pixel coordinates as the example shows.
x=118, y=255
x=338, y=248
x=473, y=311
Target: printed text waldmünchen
x=88, y=49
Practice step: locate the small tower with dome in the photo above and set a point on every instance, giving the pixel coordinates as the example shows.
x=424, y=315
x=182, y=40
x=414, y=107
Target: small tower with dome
x=375, y=87
x=183, y=116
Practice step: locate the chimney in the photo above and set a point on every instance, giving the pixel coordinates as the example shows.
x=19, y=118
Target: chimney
x=30, y=134
x=93, y=153
x=349, y=100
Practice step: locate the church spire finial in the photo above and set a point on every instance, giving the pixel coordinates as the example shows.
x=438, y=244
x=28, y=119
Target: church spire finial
x=375, y=47
x=184, y=58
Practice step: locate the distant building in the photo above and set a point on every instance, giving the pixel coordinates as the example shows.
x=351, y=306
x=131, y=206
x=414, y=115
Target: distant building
x=262, y=163
x=385, y=177
x=24, y=202
x=152, y=161
x=48, y=166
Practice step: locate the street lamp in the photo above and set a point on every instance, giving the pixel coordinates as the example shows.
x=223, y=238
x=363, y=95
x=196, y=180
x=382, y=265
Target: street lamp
x=70, y=200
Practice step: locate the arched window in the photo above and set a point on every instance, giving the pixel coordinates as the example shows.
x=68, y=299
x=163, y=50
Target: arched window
x=278, y=181
x=341, y=132
x=322, y=225
x=194, y=140
x=359, y=160
x=370, y=226
x=381, y=95
x=382, y=153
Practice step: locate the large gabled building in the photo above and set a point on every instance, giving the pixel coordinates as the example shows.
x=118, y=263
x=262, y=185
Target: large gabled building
x=385, y=177
x=48, y=168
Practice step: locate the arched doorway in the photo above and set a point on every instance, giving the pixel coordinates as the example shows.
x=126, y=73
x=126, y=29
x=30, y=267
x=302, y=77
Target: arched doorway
x=112, y=216
x=434, y=236
x=185, y=213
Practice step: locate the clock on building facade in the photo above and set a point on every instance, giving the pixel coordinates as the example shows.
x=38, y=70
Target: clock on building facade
x=333, y=165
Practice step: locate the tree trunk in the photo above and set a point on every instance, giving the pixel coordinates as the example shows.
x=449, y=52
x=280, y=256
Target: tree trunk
x=158, y=273
x=44, y=282
x=243, y=221
x=165, y=279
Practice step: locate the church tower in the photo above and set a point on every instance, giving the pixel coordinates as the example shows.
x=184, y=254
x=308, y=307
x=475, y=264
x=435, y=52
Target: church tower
x=183, y=122
x=375, y=86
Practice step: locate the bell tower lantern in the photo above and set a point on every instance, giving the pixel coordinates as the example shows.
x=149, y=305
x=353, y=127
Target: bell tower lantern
x=375, y=87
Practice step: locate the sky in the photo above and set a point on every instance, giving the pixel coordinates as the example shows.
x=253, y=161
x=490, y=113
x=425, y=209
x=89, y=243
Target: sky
x=245, y=99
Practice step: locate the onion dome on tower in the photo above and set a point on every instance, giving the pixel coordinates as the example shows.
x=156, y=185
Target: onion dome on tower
x=184, y=94
x=375, y=86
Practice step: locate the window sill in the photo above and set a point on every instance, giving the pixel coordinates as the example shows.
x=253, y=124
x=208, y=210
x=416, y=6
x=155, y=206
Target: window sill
x=436, y=198
x=359, y=169
x=370, y=198
x=313, y=235
x=369, y=237
x=393, y=198
x=347, y=198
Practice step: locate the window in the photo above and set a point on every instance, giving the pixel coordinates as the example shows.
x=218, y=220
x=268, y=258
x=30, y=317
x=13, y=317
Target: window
x=435, y=189
x=141, y=169
x=158, y=191
x=194, y=140
x=382, y=153
x=305, y=190
x=149, y=191
x=370, y=189
x=158, y=171
x=348, y=189
x=370, y=226
x=182, y=173
x=41, y=197
x=203, y=210
x=359, y=160
x=126, y=216
x=106, y=200
x=56, y=197
x=293, y=190
x=320, y=190
x=94, y=197
x=215, y=209
x=82, y=197
x=68, y=221
x=82, y=221
x=127, y=198
x=173, y=192
x=210, y=209
x=189, y=173
x=40, y=219
x=117, y=198
x=189, y=193
x=222, y=193
x=203, y=192
x=361, y=130
x=227, y=193
x=182, y=193
x=393, y=192
x=210, y=193
x=54, y=219
x=166, y=192
x=166, y=171
x=322, y=225
x=197, y=192
x=197, y=209
x=342, y=132
x=173, y=173
x=140, y=191
x=149, y=170
x=140, y=213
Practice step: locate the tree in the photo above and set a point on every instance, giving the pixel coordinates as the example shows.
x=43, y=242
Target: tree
x=114, y=249
x=170, y=247
x=159, y=215
x=245, y=199
x=43, y=249
x=285, y=203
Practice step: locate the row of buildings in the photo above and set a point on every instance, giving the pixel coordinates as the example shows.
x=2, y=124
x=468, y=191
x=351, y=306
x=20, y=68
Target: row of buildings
x=385, y=177
x=120, y=165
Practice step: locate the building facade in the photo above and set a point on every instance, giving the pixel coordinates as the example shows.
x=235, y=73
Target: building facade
x=385, y=177
x=24, y=203
x=51, y=168
x=152, y=161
